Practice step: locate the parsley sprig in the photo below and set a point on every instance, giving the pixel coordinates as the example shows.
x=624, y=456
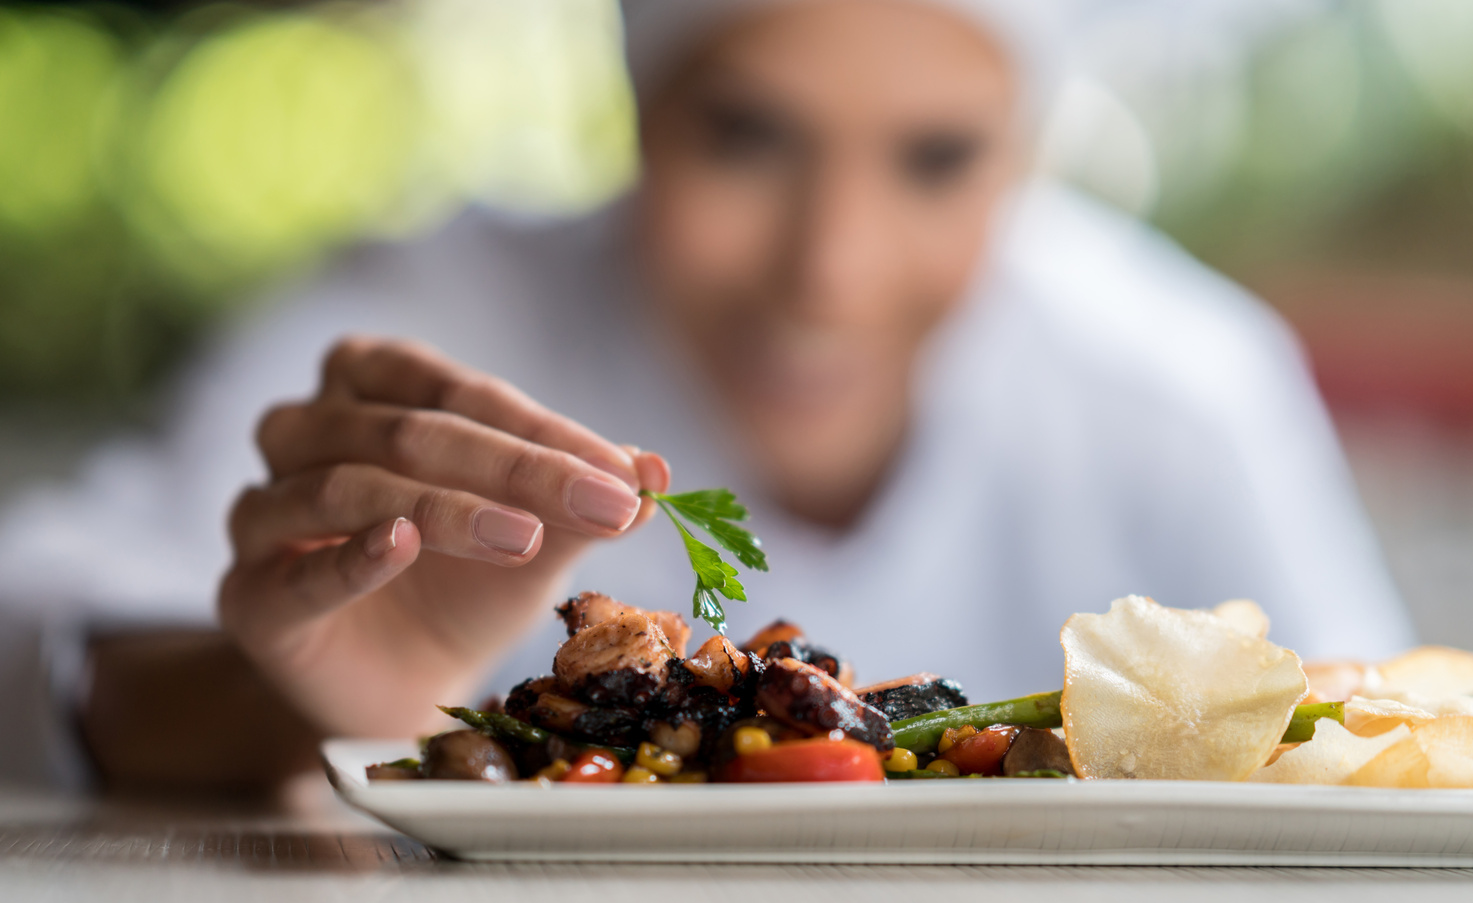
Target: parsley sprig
x=714, y=511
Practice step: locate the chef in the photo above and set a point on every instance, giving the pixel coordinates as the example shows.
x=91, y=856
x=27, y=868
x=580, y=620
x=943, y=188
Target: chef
x=961, y=403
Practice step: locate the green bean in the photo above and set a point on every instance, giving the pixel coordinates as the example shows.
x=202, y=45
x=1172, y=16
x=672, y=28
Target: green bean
x=923, y=732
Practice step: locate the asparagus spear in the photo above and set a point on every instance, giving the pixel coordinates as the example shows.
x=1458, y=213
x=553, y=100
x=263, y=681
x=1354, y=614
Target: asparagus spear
x=498, y=726
x=505, y=728
x=923, y=732
x=1301, y=726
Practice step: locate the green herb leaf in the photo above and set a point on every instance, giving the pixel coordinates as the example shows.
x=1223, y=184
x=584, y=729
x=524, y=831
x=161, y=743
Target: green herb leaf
x=713, y=510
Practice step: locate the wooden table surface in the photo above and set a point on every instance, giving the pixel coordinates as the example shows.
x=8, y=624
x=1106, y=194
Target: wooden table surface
x=58, y=849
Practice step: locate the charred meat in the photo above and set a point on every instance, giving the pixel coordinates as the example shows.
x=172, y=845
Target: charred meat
x=783, y=639
x=778, y=631
x=809, y=700
x=587, y=609
x=623, y=660
x=918, y=694
x=722, y=667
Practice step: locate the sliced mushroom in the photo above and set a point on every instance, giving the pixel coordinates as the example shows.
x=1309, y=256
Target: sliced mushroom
x=467, y=755
x=1035, y=749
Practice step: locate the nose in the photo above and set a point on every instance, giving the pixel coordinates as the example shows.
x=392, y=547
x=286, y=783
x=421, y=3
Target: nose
x=838, y=253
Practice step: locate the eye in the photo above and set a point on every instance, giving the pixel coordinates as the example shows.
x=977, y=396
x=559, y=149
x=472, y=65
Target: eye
x=742, y=133
x=932, y=161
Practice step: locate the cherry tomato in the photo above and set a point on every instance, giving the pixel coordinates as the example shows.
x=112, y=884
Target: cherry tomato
x=982, y=752
x=808, y=760
x=595, y=767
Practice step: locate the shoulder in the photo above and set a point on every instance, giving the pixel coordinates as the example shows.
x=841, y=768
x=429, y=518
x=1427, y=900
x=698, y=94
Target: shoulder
x=1121, y=311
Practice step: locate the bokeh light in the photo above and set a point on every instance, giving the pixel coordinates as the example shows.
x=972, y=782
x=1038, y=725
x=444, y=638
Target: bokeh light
x=271, y=137
x=159, y=162
x=55, y=72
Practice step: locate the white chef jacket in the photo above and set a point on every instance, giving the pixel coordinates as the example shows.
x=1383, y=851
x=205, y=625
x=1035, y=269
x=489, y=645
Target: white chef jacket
x=1103, y=416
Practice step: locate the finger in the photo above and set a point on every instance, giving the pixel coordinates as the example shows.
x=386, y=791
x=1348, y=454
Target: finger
x=341, y=500
x=258, y=602
x=654, y=476
x=654, y=472
x=448, y=450
x=417, y=376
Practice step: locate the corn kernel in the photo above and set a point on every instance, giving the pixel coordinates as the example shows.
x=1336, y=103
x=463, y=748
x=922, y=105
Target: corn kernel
x=944, y=767
x=689, y=777
x=748, y=740
x=954, y=735
x=640, y=775
x=662, y=762
x=555, y=770
x=901, y=760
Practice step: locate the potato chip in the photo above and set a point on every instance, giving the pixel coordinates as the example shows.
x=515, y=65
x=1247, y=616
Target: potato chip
x=1428, y=671
x=1332, y=756
x=1245, y=616
x=1436, y=754
x=1373, y=717
x=1154, y=692
x=1334, y=681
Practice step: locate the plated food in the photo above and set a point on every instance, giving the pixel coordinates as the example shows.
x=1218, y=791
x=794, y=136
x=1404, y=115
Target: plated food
x=1149, y=692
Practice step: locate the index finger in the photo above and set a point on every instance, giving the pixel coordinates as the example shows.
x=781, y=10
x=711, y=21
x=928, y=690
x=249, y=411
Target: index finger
x=418, y=376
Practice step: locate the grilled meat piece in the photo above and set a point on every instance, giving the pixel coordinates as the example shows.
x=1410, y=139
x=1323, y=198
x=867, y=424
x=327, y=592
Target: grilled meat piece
x=721, y=666
x=623, y=660
x=777, y=631
x=523, y=697
x=587, y=609
x=918, y=694
x=830, y=664
x=685, y=702
x=1035, y=749
x=809, y=700
x=783, y=639
x=555, y=712
x=610, y=726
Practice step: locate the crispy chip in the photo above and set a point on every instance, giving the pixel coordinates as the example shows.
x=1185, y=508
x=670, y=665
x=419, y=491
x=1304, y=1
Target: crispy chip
x=1332, y=756
x=1245, y=616
x=1437, y=754
x=1154, y=692
x=1334, y=681
x=1428, y=671
x=1373, y=717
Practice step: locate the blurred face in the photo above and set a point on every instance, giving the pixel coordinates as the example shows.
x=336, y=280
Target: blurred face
x=818, y=186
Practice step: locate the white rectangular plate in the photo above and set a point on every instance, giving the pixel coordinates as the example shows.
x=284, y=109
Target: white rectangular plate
x=992, y=822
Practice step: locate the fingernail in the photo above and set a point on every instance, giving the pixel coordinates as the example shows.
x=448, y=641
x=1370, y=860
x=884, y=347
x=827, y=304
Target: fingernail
x=385, y=539
x=621, y=471
x=505, y=530
x=603, y=503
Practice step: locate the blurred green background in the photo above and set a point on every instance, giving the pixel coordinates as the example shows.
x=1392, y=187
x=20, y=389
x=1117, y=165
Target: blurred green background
x=160, y=162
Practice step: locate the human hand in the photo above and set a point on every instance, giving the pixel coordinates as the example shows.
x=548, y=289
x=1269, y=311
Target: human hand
x=418, y=516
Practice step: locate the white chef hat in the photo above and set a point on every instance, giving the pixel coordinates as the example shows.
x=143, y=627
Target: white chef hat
x=659, y=33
